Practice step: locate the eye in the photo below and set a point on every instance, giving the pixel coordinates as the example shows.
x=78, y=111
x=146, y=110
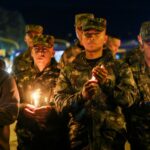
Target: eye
x=87, y=35
x=36, y=49
x=45, y=49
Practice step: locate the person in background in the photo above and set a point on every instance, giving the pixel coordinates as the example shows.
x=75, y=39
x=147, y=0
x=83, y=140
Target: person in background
x=93, y=90
x=113, y=43
x=21, y=62
x=9, y=99
x=69, y=54
x=135, y=54
x=138, y=116
x=38, y=125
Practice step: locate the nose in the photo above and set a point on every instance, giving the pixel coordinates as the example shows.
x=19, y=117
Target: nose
x=41, y=53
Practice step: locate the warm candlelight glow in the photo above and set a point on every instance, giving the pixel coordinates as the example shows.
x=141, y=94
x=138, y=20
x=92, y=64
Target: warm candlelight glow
x=36, y=97
x=93, y=78
x=102, y=66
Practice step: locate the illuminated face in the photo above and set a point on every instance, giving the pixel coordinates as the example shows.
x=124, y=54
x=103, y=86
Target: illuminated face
x=42, y=55
x=114, y=44
x=93, y=40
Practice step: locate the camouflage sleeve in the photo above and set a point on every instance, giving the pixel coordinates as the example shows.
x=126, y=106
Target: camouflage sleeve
x=9, y=101
x=125, y=92
x=65, y=96
x=61, y=61
x=64, y=57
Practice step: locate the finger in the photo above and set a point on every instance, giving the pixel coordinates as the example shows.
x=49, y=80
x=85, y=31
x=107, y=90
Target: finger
x=100, y=71
x=92, y=87
x=29, y=113
x=30, y=107
x=42, y=111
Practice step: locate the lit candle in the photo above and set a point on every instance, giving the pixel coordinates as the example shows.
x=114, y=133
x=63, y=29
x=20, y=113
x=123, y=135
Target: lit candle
x=93, y=78
x=36, y=97
x=102, y=66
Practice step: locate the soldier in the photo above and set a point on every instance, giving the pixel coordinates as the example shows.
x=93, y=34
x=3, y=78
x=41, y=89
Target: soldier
x=93, y=89
x=138, y=119
x=38, y=125
x=113, y=43
x=9, y=98
x=135, y=54
x=70, y=53
x=21, y=62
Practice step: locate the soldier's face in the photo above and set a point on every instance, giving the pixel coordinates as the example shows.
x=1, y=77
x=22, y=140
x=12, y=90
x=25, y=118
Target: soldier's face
x=42, y=55
x=114, y=45
x=93, y=40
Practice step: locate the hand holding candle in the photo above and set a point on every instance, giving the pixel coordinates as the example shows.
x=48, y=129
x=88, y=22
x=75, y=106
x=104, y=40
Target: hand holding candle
x=100, y=73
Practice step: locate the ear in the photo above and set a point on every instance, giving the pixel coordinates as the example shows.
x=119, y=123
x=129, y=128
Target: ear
x=53, y=52
x=140, y=39
x=31, y=52
x=141, y=42
x=105, y=39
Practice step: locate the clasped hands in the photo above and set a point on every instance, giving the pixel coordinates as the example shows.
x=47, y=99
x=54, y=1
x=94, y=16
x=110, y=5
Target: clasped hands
x=91, y=86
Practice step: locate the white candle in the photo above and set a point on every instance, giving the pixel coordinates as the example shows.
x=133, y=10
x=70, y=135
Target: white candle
x=36, y=97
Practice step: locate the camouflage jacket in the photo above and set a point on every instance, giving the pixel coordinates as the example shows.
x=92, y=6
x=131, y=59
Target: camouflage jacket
x=133, y=55
x=138, y=116
x=70, y=54
x=9, y=99
x=103, y=112
x=29, y=81
x=22, y=62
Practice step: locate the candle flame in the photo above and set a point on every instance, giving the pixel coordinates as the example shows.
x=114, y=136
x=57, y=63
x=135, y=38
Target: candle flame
x=36, y=97
x=93, y=77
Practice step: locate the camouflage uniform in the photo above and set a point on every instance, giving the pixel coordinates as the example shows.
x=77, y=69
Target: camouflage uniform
x=21, y=62
x=134, y=55
x=9, y=98
x=70, y=53
x=31, y=136
x=101, y=117
x=138, y=116
x=138, y=120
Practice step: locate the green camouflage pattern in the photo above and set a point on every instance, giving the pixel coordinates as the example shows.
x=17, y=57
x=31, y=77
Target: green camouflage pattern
x=101, y=118
x=28, y=81
x=33, y=28
x=95, y=23
x=133, y=56
x=138, y=116
x=80, y=18
x=22, y=62
x=45, y=40
x=145, y=31
x=70, y=54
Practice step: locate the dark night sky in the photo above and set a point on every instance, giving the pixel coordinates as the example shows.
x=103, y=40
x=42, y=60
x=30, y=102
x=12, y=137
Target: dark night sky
x=124, y=17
